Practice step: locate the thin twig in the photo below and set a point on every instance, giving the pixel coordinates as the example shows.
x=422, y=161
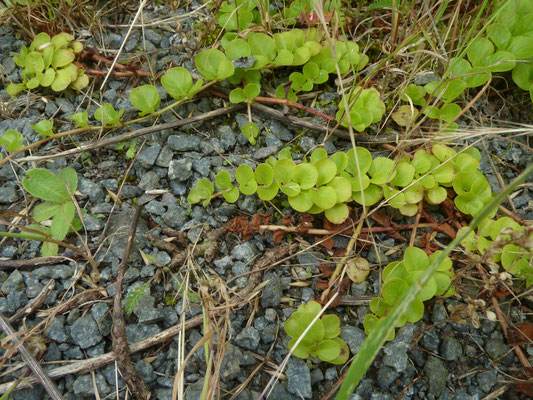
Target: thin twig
x=32, y=363
x=120, y=345
x=35, y=303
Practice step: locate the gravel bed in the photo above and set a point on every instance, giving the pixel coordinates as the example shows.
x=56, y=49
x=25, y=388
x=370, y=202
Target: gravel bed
x=435, y=358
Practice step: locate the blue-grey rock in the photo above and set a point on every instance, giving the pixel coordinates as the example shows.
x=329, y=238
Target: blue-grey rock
x=265, y=152
x=190, y=311
x=353, y=336
x=145, y=370
x=249, y=204
x=146, y=312
x=378, y=257
x=131, y=274
x=248, y=338
x=102, y=317
x=93, y=224
x=450, y=349
x=298, y=378
x=8, y=194
x=184, y=142
x=97, y=350
x=180, y=170
x=155, y=207
x=231, y=363
x=202, y=166
x=52, y=352
x=71, y=352
x=7, y=251
x=272, y=292
x=138, y=332
x=486, y=380
x=194, y=391
x=308, y=294
x=278, y=129
x=386, y=376
x=153, y=36
x=495, y=348
x=227, y=137
x=84, y=385
x=59, y=271
x=33, y=286
x=309, y=259
x=110, y=184
x=396, y=350
x=307, y=143
x=14, y=283
x=316, y=376
x=149, y=181
x=65, y=105
x=85, y=332
x=130, y=191
x=244, y=252
x=35, y=393
x=272, y=140
x=436, y=375
x=439, y=313
x=56, y=330
x=175, y=217
x=165, y=157
x=430, y=340
x=331, y=374
x=7, y=65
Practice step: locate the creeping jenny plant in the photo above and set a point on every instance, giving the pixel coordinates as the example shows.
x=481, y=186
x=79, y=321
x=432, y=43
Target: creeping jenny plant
x=48, y=62
x=321, y=340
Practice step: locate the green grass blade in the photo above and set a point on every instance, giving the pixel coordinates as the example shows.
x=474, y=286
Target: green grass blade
x=373, y=343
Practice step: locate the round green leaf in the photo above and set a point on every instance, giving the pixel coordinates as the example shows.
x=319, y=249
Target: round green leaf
x=303, y=349
x=213, y=64
x=62, y=220
x=357, y=269
x=62, y=57
x=415, y=311
x=393, y=289
x=306, y=175
x=443, y=282
x=395, y=269
x=34, y=62
x=291, y=189
x=70, y=178
x=283, y=170
x=415, y=259
x=338, y=213
x=436, y=195
x=405, y=173
x=381, y=170
x=61, y=80
x=177, y=82
x=341, y=161
x=332, y=326
x=327, y=170
x=318, y=154
x=45, y=185
x=145, y=98
x=342, y=188
x=479, y=50
x=268, y=192
x=231, y=195
x=223, y=180
x=328, y=350
x=324, y=197
x=237, y=48
x=372, y=194
x=264, y=174
x=11, y=140
x=428, y=290
x=301, y=202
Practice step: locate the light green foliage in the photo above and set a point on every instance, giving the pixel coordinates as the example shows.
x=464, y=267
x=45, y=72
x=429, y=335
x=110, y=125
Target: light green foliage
x=11, y=140
x=237, y=14
x=48, y=62
x=365, y=108
x=322, y=339
x=56, y=193
x=129, y=146
x=145, y=98
x=107, y=115
x=203, y=191
x=299, y=9
x=135, y=296
x=327, y=185
x=213, y=64
x=398, y=276
x=44, y=127
x=81, y=119
x=178, y=83
x=508, y=245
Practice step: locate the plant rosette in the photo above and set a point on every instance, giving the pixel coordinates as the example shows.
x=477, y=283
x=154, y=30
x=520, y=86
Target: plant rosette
x=398, y=276
x=321, y=340
x=48, y=62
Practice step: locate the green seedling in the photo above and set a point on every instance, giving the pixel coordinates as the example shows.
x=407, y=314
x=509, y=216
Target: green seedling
x=365, y=108
x=130, y=146
x=237, y=14
x=56, y=193
x=203, y=191
x=48, y=62
x=11, y=140
x=398, y=276
x=44, y=127
x=513, y=251
x=145, y=98
x=321, y=340
x=223, y=182
x=178, y=83
x=81, y=119
x=107, y=115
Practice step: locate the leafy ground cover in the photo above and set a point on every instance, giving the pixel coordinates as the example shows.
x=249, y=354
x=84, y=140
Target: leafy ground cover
x=190, y=192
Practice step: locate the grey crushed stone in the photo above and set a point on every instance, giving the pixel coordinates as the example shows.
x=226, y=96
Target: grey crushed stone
x=244, y=252
x=450, y=349
x=56, y=330
x=149, y=181
x=184, y=142
x=436, y=375
x=14, y=283
x=84, y=386
x=272, y=292
x=248, y=338
x=353, y=336
x=85, y=332
x=298, y=378
x=231, y=363
x=138, y=332
x=146, y=371
x=180, y=170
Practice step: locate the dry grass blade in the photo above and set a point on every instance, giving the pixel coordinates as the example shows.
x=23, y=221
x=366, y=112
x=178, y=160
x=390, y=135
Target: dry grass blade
x=28, y=358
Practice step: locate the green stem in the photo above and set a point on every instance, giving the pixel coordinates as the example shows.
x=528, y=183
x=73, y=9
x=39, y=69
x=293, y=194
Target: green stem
x=373, y=343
